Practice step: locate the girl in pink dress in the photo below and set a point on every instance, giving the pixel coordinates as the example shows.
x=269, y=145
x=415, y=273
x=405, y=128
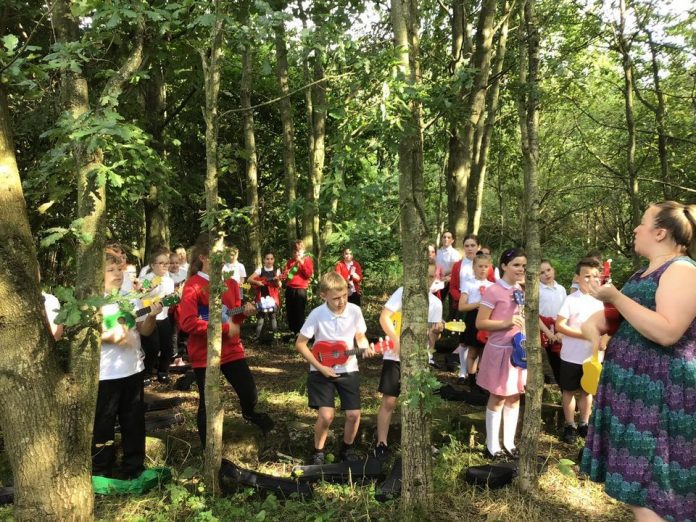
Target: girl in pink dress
x=502, y=317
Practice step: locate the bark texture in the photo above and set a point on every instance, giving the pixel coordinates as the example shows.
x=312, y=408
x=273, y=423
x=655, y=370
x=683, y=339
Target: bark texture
x=528, y=109
x=417, y=485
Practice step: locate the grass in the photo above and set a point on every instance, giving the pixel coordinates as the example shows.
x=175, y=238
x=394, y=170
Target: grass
x=280, y=375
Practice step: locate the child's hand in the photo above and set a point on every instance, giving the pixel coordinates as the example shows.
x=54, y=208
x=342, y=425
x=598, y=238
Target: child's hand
x=327, y=372
x=438, y=327
x=137, y=285
x=155, y=308
x=119, y=334
x=368, y=352
x=516, y=320
x=249, y=309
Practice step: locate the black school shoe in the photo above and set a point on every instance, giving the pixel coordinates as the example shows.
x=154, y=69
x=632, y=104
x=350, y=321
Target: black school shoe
x=382, y=451
x=513, y=454
x=495, y=457
x=262, y=420
x=318, y=459
x=570, y=434
x=582, y=430
x=349, y=455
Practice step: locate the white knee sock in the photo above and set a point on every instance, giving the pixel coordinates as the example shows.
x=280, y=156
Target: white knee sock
x=510, y=416
x=463, y=370
x=493, y=419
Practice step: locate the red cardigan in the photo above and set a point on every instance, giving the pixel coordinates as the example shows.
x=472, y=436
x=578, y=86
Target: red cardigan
x=342, y=269
x=454, y=283
x=193, y=319
x=303, y=275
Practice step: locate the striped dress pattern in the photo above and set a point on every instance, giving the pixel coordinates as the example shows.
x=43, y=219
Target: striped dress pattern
x=642, y=437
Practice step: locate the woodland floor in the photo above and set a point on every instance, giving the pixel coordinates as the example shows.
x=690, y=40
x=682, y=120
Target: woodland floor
x=280, y=376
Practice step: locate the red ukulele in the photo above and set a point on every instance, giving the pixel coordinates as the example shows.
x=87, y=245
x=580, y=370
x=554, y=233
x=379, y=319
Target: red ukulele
x=611, y=314
x=333, y=353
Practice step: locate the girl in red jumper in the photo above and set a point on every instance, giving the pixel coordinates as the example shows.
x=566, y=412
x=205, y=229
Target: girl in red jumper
x=351, y=271
x=298, y=273
x=193, y=319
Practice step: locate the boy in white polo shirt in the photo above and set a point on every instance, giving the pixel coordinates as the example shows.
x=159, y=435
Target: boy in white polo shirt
x=575, y=310
x=335, y=320
x=390, y=380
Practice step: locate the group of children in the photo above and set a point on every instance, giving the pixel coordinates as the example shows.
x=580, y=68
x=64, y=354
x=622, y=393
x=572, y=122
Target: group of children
x=132, y=350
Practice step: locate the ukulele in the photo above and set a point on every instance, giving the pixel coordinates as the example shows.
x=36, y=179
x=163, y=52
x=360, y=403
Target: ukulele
x=128, y=318
x=518, y=357
x=452, y=326
x=611, y=314
x=591, y=370
x=333, y=353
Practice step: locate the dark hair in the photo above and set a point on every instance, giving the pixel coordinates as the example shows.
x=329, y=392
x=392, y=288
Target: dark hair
x=158, y=251
x=589, y=262
x=680, y=221
x=482, y=256
x=510, y=254
x=544, y=260
x=472, y=236
x=296, y=245
x=595, y=254
x=200, y=248
x=269, y=253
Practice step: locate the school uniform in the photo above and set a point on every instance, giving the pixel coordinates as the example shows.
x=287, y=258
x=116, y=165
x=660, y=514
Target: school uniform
x=390, y=378
x=120, y=396
x=324, y=325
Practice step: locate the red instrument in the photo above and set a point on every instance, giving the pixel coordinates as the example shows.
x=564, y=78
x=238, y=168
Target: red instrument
x=611, y=314
x=333, y=353
x=482, y=335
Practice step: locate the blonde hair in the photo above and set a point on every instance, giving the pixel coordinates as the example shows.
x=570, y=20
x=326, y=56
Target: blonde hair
x=680, y=221
x=332, y=281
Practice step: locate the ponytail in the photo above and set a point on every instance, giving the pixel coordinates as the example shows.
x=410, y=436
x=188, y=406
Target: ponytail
x=200, y=248
x=680, y=221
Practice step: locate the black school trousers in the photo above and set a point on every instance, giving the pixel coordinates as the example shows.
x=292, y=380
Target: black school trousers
x=159, y=347
x=120, y=399
x=238, y=374
x=295, y=302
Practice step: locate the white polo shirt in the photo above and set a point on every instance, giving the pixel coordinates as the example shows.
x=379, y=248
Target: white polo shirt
x=551, y=298
x=466, y=272
x=395, y=303
x=472, y=289
x=236, y=270
x=121, y=360
x=324, y=325
x=165, y=288
x=577, y=308
x=446, y=257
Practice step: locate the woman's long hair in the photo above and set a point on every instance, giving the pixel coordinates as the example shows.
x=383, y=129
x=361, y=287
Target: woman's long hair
x=200, y=248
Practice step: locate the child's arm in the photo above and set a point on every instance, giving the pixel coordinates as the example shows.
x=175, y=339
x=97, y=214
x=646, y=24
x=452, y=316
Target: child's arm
x=388, y=328
x=548, y=333
x=357, y=272
x=464, y=304
x=301, y=346
x=364, y=344
x=148, y=326
x=562, y=326
x=484, y=321
x=306, y=267
x=256, y=280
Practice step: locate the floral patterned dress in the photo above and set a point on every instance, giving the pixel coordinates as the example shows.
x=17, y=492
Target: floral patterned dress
x=642, y=437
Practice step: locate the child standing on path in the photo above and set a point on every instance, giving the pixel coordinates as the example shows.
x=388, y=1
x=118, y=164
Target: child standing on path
x=335, y=320
x=351, y=271
x=551, y=297
x=266, y=279
x=500, y=314
x=298, y=274
x=120, y=392
x=576, y=309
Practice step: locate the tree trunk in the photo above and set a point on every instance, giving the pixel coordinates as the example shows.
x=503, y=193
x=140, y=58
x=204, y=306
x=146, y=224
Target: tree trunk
x=467, y=119
x=214, y=409
x=252, y=189
x=660, y=120
x=286, y=118
x=417, y=485
x=632, y=177
x=156, y=218
x=478, y=176
x=318, y=130
x=528, y=108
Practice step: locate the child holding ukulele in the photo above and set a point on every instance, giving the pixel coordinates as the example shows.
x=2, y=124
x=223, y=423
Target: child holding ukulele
x=341, y=321
x=500, y=314
x=469, y=302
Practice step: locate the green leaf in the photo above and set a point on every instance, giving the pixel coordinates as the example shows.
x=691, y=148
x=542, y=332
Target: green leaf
x=10, y=41
x=566, y=462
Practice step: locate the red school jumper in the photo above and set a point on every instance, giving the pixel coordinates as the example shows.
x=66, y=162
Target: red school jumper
x=304, y=273
x=342, y=269
x=193, y=319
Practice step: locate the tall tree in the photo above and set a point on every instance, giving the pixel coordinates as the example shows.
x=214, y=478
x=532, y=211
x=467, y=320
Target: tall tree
x=286, y=118
x=215, y=413
x=528, y=110
x=417, y=486
x=468, y=119
x=252, y=177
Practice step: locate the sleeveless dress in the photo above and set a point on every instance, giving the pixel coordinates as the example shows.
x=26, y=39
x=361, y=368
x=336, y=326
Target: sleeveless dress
x=642, y=437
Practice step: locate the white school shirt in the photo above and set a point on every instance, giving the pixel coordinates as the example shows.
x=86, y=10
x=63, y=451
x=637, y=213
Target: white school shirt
x=52, y=307
x=324, y=325
x=395, y=303
x=237, y=269
x=165, y=287
x=551, y=298
x=178, y=278
x=472, y=289
x=577, y=308
x=466, y=272
x=122, y=360
x=446, y=257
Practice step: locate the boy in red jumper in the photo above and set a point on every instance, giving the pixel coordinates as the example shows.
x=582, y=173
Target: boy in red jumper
x=193, y=319
x=298, y=274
